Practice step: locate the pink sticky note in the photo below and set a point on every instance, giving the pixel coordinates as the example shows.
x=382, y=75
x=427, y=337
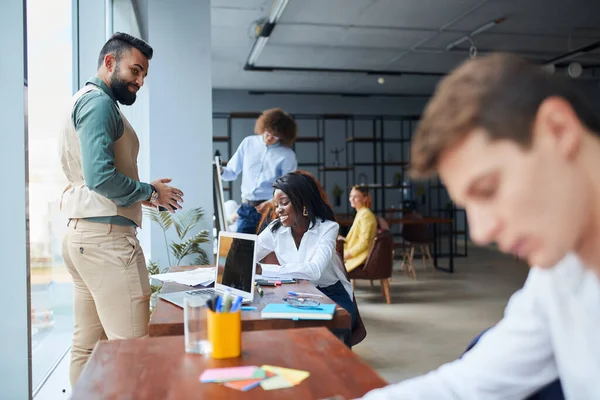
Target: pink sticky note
x=231, y=374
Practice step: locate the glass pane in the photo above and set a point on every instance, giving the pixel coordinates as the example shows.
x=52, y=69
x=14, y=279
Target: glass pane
x=49, y=51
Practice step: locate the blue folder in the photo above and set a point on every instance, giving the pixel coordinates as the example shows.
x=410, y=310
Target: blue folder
x=285, y=311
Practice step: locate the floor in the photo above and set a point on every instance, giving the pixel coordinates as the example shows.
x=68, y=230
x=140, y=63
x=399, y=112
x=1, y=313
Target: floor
x=430, y=321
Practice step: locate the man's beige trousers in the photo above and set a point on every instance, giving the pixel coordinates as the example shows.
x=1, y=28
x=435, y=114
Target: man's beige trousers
x=111, y=290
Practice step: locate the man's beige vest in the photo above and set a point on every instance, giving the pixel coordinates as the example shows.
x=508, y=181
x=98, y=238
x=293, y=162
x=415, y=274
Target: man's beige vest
x=78, y=201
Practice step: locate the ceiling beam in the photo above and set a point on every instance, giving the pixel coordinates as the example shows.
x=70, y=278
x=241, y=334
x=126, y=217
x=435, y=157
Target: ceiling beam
x=341, y=94
x=340, y=71
x=573, y=54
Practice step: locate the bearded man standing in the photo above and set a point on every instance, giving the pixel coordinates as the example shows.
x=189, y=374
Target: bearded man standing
x=103, y=202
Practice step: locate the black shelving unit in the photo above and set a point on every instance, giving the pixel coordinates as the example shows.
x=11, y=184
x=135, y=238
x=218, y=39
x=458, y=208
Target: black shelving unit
x=374, y=143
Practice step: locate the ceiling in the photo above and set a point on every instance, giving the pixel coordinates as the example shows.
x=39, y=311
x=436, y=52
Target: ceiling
x=390, y=35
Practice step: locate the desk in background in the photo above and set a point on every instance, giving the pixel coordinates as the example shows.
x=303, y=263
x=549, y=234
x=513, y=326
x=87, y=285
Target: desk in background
x=159, y=368
x=167, y=318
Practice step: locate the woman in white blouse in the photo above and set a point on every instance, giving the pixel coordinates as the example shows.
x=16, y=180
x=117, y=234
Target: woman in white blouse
x=303, y=238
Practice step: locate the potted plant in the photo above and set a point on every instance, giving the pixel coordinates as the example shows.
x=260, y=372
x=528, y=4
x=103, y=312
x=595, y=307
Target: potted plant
x=337, y=195
x=398, y=179
x=183, y=222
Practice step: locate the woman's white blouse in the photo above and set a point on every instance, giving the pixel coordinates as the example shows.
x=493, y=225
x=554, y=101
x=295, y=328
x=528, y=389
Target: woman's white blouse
x=315, y=259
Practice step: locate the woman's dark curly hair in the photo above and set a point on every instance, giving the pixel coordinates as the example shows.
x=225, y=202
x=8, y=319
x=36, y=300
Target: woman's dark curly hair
x=279, y=123
x=303, y=192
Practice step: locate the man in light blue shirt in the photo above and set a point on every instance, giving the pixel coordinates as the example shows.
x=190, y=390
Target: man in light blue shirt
x=262, y=158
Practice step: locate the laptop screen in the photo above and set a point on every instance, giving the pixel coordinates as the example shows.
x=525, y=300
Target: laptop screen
x=235, y=262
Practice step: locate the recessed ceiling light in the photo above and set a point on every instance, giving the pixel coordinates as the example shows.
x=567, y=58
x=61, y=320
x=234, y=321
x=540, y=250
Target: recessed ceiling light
x=575, y=69
x=380, y=80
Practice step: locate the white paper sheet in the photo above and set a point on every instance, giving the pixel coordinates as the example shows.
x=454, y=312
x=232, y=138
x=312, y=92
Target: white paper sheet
x=199, y=276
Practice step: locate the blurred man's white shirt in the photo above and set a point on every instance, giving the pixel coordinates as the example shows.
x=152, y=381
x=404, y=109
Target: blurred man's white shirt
x=551, y=329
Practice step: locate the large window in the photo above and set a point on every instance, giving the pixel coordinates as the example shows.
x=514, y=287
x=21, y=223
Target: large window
x=50, y=49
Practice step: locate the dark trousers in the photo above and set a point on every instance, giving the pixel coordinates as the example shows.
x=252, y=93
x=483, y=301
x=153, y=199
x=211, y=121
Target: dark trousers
x=337, y=293
x=248, y=219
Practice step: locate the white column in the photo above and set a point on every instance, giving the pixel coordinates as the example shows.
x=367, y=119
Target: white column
x=91, y=37
x=15, y=345
x=180, y=107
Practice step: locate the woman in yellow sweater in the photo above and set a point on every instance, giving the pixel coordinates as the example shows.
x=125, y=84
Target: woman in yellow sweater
x=362, y=233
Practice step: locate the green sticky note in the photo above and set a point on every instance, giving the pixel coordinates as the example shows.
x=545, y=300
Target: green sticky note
x=276, y=382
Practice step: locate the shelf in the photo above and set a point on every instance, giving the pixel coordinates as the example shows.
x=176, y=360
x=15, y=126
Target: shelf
x=388, y=163
x=356, y=139
x=308, y=139
x=309, y=164
x=336, y=168
x=362, y=139
x=220, y=138
x=241, y=115
x=384, y=186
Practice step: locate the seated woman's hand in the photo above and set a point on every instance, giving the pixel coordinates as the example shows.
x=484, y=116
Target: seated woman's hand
x=347, y=255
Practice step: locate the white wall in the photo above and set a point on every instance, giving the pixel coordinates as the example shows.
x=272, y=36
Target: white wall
x=180, y=106
x=92, y=36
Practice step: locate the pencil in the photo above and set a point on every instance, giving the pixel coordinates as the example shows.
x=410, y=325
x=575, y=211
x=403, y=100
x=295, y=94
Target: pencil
x=258, y=289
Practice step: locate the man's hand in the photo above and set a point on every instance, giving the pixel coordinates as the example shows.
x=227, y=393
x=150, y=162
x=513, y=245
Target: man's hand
x=148, y=204
x=262, y=207
x=258, y=269
x=168, y=196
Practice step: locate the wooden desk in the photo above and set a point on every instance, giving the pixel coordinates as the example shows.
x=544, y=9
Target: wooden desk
x=159, y=368
x=167, y=318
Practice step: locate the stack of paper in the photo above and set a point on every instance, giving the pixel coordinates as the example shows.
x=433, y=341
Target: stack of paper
x=199, y=276
x=246, y=378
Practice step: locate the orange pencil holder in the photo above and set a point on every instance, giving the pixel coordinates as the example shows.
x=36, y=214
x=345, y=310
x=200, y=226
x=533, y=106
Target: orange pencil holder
x=225, y=334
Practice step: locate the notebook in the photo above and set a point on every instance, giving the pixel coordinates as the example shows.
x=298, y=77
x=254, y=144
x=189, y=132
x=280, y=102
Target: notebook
x=285, y=311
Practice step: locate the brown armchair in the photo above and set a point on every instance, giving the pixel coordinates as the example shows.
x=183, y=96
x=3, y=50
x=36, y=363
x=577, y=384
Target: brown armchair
x=379, y=262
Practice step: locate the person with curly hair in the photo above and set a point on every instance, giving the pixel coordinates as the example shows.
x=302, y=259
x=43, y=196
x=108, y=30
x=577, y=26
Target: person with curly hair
x=262, y=158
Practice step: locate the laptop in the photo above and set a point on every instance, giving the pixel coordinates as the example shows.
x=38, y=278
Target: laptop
x=234, y=272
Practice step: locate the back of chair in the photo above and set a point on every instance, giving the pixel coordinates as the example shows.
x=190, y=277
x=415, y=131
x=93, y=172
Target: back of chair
x=416, y=233
x=382, y=224
x=381, y=257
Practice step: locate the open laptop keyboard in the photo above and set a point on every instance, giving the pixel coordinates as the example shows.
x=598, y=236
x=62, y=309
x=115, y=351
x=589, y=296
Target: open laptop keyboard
x=203, y=292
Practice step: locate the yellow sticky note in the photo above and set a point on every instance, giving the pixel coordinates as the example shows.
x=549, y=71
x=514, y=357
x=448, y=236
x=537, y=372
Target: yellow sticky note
x=294, y=376
x=276, y=382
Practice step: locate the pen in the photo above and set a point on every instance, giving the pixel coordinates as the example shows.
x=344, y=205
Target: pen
x=236, y=304
x=227, y=302
x=248, y=308
x=218, y=305
x=259, y=289
x=304, y=294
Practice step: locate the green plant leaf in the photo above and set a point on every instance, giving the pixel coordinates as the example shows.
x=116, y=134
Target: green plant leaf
x=153, y=268
x=187, y=220
x=201, y=260
x=162, y=218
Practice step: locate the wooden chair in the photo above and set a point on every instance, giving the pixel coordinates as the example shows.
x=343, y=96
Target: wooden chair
x=415, y=236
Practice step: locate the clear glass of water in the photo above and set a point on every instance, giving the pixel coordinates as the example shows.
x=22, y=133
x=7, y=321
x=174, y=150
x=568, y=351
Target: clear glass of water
x=194, y=326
